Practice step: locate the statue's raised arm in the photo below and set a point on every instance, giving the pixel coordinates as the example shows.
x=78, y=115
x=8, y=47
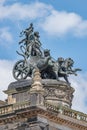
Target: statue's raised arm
x=28, y=35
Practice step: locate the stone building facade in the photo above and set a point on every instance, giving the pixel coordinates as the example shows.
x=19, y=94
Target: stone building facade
x=36, y=104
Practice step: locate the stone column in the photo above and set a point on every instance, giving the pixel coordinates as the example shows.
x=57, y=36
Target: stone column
x=37, y=91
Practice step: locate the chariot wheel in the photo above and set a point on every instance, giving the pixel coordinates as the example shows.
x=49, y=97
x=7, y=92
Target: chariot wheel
x=20, y=70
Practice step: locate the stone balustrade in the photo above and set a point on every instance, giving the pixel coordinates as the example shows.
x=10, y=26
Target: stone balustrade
x=7, y=109
x=74, y=114
x=67, y=112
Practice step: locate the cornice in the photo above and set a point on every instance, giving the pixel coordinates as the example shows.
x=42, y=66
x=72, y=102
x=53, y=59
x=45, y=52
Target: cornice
x=52, y=116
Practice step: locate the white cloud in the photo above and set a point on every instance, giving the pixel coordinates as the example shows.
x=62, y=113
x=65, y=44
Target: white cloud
x=61, y=23
x=2, y=2
x=24, y=11
x=81, y=28
x=80, y=94
x=52, y=21
x=5, y=76
x=5, y=36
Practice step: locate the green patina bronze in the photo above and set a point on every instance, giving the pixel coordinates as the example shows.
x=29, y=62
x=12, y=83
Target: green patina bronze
x=36, y=57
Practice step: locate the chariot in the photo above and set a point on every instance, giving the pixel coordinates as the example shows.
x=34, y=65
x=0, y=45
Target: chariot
x=34, y=57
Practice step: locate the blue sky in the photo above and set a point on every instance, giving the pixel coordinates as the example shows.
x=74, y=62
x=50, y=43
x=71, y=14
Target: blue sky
x=63, y=30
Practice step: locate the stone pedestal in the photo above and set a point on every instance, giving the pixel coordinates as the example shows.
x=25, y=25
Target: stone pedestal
x=58, y=93
x=40, y=90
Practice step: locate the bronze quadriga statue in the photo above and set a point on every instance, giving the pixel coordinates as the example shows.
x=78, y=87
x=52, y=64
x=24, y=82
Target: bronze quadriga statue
x=36, y=57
